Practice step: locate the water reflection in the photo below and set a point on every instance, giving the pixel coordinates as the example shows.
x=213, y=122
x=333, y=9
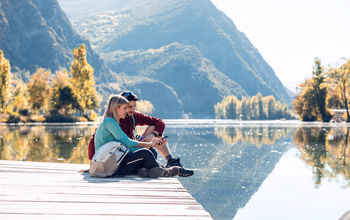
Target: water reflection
x=231, y=161
x=251, y=135
x=66, y=144
x=326, y=150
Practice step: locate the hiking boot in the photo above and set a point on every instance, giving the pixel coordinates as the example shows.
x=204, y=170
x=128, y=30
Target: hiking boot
x=164, y=172
x=143, y=172
x=172, y=171
x=185, y=173
x=173, y=162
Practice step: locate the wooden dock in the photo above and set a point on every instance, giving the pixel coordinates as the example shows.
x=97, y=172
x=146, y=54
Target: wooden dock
x=37, y=190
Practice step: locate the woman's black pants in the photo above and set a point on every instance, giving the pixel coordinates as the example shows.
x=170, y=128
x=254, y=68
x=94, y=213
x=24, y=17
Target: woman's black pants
x=133, y=161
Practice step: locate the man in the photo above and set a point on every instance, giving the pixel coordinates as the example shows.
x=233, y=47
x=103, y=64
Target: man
x=155, y=129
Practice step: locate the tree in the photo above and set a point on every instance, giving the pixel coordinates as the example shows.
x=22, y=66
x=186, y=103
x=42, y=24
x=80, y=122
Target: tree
x=254, y=108
x=39, y=90
x=262, y=114
x=5, y=74
x=245, y=108
x=145, y=107
x=83, y=81
x=231, y=107
x=340, y=78
x=62, y=99
x=270, y=106
x=311, y=103
x=19, y=98
x=320, y=90
x=304, y=103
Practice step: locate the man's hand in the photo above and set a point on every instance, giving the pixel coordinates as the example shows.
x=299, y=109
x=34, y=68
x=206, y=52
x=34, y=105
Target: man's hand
x=161, y=142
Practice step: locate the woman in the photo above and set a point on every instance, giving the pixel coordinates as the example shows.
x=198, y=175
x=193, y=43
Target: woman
x=141, y=161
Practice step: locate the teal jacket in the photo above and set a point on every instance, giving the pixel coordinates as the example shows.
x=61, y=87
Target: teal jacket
x=109, y=130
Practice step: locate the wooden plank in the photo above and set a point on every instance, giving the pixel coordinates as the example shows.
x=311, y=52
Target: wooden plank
x=18, y=207
x=37, y=190
x=99, y=217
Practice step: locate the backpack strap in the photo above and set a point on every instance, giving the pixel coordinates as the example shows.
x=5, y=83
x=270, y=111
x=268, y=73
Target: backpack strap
x=133, y=126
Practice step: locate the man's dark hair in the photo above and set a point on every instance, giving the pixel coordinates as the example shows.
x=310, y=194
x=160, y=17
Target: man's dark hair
x=129, y=96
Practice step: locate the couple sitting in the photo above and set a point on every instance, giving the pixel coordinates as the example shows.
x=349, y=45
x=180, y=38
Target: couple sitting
x=119, y=123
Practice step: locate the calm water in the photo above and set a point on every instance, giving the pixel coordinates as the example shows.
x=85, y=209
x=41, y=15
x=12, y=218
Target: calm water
x=250, y=170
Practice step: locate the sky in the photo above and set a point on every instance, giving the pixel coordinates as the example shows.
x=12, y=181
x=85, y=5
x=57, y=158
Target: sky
x=289, y=34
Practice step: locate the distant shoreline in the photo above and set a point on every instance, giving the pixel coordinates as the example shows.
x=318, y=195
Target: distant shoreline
x=196, y=122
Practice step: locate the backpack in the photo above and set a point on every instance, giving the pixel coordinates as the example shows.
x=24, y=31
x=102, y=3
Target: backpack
x=91, y=146
x=107, y=159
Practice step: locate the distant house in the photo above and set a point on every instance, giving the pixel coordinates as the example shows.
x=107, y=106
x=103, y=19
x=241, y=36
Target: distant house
x=338, y=115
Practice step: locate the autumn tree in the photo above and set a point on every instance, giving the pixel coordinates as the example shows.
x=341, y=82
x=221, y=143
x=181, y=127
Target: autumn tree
x=270, y=107
x=144, y=106
x=245, y=109
x=339, y=77
x=39, y=90
x=252, y=108
x=5, y=74
x=62, y=99
x=19, y=98
x=82, y=81
x=310, y=104
x=304, y=104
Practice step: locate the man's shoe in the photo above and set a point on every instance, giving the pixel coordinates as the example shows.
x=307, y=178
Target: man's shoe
x=173, y=162
x=164, y=172
x=172, y=171
x=185, y=173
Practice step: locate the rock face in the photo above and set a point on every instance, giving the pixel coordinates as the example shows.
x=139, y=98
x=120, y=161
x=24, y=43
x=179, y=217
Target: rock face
x=37, y=33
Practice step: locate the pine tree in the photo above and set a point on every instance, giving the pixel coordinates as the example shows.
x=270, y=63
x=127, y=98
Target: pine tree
x=5, y=75
x=320, y=91
x=83, y=81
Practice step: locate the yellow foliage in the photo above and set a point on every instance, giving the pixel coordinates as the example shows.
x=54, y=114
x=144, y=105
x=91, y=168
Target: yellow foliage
x=39, y=90
x=145, y=106
x=5, y=77
x=83, y=81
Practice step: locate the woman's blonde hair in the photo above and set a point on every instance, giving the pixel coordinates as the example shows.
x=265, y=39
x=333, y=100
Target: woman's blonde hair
x=114, y=101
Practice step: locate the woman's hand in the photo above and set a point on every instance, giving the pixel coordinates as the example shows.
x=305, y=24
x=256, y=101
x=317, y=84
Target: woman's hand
x=154, y=142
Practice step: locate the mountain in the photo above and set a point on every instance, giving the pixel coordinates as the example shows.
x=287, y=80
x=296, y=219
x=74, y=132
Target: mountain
x=184, y=69
x=164, y=99
x=122, y=28
x=185, y=52
x=37, y=33
x=152, y=24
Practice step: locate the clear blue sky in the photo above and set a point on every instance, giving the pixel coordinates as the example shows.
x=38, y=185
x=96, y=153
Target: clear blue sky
x=289, y=34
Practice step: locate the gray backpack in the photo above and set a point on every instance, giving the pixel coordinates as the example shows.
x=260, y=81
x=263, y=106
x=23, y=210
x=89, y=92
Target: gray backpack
x=107, y=159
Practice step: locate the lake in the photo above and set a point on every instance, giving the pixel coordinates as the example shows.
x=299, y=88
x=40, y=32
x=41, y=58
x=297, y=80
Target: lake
x=243, y=170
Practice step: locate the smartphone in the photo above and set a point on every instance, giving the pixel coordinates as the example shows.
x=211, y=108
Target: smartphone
x=166, y=136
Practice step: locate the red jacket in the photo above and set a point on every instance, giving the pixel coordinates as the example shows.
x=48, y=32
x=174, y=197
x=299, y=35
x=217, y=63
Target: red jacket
x=126, y=125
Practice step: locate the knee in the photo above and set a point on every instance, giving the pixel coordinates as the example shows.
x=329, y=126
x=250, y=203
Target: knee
x=146, y=152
